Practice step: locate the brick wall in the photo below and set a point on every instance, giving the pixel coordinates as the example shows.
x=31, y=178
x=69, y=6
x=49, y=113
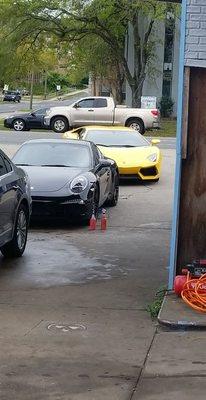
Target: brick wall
x=195, y=48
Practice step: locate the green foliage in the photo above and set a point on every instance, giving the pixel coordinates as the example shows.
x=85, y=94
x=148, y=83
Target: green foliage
x=100, y=26
x=154, y=307
x=55, y=78
x=166, y=106
x=168, y=128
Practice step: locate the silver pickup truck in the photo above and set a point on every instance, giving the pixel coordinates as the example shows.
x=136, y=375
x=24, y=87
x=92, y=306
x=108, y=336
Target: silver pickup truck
x=100, y=111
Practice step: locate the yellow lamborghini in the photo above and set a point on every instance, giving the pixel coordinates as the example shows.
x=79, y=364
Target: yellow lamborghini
x=134, y=155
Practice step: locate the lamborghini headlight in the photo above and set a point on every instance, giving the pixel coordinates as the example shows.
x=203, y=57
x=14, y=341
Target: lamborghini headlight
x=78, y=184
x=152, y=157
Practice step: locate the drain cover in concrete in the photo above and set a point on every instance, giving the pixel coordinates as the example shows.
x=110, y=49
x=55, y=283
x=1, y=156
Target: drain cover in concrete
x=66, y=328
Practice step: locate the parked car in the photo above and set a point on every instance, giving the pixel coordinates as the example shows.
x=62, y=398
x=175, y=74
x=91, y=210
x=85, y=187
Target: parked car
x=12, y=96
x=15, y=208
x=69, y=178
x=100, y=111
x=27, y=121
x=25, y=92
x=135, y=156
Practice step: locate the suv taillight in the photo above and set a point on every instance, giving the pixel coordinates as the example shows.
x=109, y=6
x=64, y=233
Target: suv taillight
x=156, y=113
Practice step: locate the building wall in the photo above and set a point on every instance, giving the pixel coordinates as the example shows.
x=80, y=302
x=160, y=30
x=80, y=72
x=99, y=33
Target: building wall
x=195, y=50
x=153, y=86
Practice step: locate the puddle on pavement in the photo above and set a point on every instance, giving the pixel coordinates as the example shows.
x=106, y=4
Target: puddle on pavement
x=52, y=260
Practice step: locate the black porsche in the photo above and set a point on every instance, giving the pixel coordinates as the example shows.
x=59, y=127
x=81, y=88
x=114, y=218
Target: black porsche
x=26, y=121
x=69, y=178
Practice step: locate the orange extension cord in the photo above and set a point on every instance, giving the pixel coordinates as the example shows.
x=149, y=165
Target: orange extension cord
x=194, y=293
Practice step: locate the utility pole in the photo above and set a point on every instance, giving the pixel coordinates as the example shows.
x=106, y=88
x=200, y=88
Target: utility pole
x=31, y=89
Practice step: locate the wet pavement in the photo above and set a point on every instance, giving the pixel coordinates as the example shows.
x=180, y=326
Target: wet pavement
x=73, y=320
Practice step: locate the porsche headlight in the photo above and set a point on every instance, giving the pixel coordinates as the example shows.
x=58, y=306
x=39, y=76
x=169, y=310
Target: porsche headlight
x=78, y=184
x=152, y=157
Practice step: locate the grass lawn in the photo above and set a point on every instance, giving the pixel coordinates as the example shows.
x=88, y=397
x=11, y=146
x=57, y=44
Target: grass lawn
x=2, y=128
x=168, y=128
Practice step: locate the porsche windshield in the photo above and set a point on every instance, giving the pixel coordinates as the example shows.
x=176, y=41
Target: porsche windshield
x=53, y=155
x=116, y=138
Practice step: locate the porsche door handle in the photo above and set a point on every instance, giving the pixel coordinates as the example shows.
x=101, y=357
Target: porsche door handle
x=90, y=110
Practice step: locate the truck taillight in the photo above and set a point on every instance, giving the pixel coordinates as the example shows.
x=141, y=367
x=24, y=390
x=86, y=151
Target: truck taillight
x=156, y=113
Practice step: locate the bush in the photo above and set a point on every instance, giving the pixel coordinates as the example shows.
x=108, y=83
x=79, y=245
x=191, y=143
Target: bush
x=166, y=106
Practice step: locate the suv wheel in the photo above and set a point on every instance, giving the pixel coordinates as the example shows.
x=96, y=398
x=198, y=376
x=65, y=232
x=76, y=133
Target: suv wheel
x=16, y=246
x=59, y=124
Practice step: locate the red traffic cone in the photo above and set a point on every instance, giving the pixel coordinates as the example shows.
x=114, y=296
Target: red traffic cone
x=103, y=220
x=92, y=223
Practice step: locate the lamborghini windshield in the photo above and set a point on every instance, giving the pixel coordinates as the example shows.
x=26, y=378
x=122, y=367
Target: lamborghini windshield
x=115, y=138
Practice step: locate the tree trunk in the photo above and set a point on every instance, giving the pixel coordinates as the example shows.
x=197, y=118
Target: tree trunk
x=119, y=95
x=45, y=85
x=31, y=90
x=137, y=89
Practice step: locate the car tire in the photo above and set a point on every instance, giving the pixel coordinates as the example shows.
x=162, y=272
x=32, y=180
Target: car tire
x=19, y=125
x=137, y=125
x=93, y=207
x=16, y=246
x=112, y=199
x=59, y=125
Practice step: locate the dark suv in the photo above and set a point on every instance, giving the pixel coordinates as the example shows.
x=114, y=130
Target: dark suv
x=12, y=95
x=15, y=208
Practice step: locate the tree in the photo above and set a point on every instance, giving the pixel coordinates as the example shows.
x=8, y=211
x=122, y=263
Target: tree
x=92, y=56
x=74, y=20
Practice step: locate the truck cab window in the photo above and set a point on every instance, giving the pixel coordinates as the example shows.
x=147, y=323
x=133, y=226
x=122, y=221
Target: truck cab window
x=87, y=103
x=100, y=103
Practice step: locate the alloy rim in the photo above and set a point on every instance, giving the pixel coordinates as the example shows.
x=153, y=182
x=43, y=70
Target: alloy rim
x=21, y=230
x=18, y=125
x=135, y=126
x=59, y=125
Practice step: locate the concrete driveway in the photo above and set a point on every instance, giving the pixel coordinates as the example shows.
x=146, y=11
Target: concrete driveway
x=73, y=320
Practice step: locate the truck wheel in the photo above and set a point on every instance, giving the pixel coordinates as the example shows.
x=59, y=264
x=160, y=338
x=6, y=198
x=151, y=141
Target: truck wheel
x=136, y=124
x=59, y=124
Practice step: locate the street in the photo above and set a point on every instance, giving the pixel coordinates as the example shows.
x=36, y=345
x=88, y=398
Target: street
x=7, y=108
x=73, y=308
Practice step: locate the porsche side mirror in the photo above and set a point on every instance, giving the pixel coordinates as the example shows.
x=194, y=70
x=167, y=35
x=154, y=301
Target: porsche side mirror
x=154, y=142
x=33, y=114
x=76, y=105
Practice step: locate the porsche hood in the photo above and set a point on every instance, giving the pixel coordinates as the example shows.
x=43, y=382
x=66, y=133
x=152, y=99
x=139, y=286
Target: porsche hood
x=50, y=179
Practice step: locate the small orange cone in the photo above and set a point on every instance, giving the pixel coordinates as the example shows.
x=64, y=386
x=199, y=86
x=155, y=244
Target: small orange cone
x=92, y=223
x=103, y=220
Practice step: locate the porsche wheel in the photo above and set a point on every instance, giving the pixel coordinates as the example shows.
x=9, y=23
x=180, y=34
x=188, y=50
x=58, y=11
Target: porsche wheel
x=94, y=207
x=113, y=197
